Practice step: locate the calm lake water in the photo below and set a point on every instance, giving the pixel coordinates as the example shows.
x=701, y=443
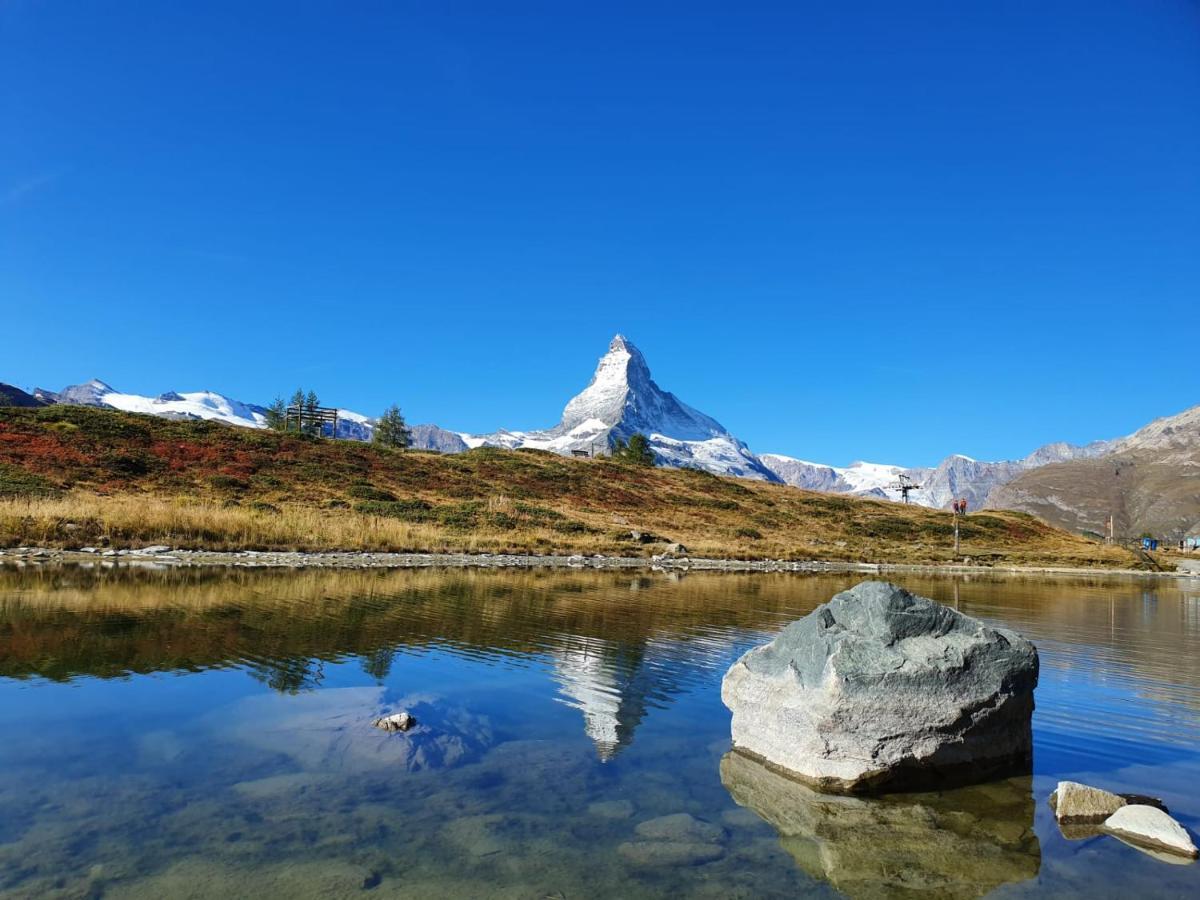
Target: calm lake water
x=206, y=734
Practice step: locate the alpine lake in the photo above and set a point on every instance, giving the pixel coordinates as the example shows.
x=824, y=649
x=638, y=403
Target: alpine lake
x=208, y=733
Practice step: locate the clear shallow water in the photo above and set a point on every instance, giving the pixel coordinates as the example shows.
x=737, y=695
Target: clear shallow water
x=205, y=734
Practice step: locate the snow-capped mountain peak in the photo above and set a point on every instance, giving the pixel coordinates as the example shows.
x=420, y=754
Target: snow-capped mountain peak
x=621, y=400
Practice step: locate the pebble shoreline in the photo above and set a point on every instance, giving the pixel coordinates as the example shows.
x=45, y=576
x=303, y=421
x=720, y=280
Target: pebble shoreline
x=164, y=557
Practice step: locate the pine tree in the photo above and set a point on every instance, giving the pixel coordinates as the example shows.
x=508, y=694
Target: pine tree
x=298, y=404
x=277, y=415
x=312, y=425
x=391, y=430
x=636, y=450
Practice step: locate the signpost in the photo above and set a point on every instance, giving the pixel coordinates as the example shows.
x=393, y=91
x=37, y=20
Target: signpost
x=960, y=510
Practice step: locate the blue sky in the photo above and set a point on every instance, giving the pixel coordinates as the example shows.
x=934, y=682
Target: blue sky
x=846, y=230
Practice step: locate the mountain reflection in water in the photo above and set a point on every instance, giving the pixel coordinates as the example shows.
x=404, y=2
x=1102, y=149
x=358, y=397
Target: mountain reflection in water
x=228, y=748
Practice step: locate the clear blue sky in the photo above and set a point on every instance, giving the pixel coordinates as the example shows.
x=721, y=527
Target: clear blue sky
x=872, y=230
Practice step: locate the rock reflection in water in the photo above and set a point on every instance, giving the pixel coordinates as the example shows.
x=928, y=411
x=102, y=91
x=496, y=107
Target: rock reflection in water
x=954, y=844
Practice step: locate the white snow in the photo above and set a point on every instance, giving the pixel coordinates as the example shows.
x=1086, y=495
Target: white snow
x=200, y=405
x=866, y=476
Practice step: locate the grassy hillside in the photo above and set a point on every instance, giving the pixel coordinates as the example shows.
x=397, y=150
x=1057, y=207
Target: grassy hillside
x=1143, y=493
x=73, y=476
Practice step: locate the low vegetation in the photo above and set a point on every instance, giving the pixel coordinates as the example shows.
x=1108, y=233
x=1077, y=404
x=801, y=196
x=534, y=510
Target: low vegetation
x=74, y=476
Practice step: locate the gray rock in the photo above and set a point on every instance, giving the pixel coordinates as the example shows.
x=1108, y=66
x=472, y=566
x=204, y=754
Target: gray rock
x=1075, y=803
x=882, y=690
x=400, y=721
x=680, y=827
x=1151, y=828
x=675, y=840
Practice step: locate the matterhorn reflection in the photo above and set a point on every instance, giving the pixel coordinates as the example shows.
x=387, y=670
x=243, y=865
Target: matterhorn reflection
x=609, y=683
x=955, y=844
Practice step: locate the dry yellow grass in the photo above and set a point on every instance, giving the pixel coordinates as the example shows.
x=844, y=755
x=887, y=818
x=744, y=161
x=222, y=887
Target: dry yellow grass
x=123, y=520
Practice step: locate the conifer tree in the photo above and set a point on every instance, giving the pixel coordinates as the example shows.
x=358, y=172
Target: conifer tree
x=277, y=415
x=391, y=429
x=636, y=450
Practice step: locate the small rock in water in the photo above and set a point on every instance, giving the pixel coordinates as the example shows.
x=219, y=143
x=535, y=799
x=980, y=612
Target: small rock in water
x=680, y=827
x=400, y=721
x=675, y=840
x=1150, y=828
x=1075, y=803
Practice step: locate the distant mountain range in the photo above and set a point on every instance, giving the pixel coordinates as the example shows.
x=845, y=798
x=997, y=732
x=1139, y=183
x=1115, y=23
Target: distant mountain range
x=1070, y=485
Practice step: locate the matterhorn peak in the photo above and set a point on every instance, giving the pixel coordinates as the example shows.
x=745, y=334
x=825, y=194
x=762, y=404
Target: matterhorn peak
x=622, y=400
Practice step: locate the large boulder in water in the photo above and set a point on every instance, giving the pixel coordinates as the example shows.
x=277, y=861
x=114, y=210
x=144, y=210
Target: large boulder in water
x=881, y=690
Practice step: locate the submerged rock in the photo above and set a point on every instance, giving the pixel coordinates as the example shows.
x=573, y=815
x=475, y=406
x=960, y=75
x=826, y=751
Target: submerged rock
x=1078, y=804
x=1150, y=828
x=952, y=845
x=879, y=689
x=675, y=840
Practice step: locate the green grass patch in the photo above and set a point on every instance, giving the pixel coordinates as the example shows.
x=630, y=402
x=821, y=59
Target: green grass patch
x=16, y=482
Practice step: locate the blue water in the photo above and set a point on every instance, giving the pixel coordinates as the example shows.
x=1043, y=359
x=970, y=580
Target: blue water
x=207, y=734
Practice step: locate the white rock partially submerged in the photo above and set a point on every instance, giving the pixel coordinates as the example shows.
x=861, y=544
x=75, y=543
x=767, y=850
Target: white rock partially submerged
x=881, y=690
x=1077, y=804
x=1151, y=828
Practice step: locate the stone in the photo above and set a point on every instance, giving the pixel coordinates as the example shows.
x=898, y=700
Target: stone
x=155, y=548
x=881, y=690
x=400, y=721
x=1076, y=804
x=681, y=828
x=679, y=839
x=953, y=845
x=1150, y=828
x=672, y=551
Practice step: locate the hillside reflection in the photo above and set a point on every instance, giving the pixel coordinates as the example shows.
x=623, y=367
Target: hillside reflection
x=616, y=644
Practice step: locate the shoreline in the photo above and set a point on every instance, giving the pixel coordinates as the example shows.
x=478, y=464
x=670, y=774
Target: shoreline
x=164, y=557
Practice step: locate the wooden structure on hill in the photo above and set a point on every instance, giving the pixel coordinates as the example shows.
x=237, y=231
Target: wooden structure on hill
x=311, y=418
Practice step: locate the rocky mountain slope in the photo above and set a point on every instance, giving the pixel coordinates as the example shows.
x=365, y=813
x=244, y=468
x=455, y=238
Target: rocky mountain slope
x=431, y=437
x=622, y=400
x=955, y=477
x=1148, y=481
x=14, y=396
